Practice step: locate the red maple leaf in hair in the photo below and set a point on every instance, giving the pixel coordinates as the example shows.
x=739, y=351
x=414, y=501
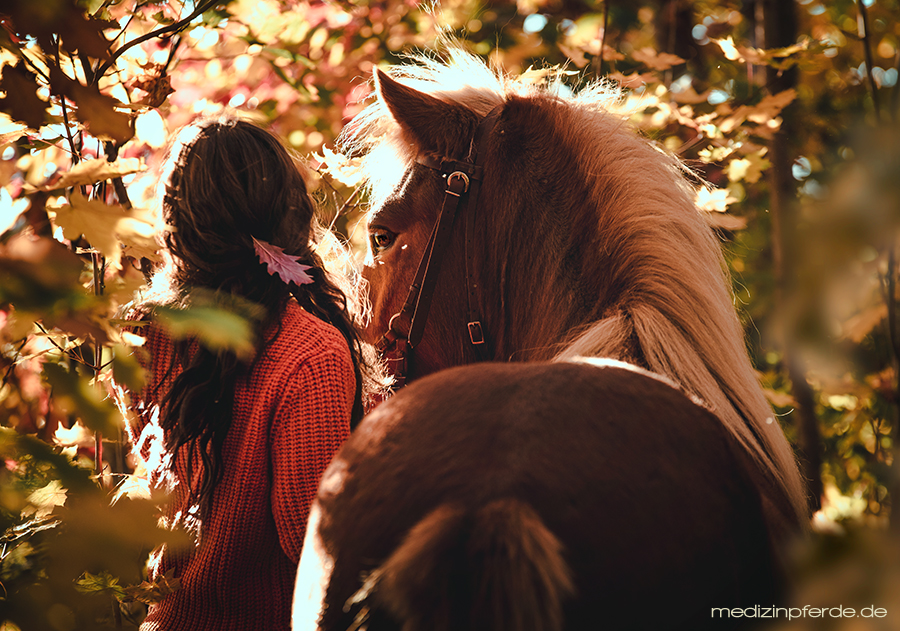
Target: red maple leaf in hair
x=277, y=262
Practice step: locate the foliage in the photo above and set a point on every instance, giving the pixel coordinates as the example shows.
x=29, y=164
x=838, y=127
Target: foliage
x=91, y=89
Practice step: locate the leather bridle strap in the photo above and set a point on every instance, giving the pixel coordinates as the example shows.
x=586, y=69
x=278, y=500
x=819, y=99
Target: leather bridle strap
x=457, y=185
x=462, y=179
x=475, y=329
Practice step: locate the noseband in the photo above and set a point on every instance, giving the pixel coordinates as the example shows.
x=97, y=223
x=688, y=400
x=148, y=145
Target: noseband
x=462, y=184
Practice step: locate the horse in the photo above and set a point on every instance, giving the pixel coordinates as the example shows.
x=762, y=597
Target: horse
x=537, y=497
x=543, y=229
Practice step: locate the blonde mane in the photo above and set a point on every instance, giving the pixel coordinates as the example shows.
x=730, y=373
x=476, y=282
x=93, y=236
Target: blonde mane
x=664, y=300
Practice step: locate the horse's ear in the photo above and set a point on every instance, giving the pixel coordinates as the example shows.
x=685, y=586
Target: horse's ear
x=434, y=125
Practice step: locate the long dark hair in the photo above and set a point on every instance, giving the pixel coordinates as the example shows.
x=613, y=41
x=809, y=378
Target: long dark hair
x=230, y=181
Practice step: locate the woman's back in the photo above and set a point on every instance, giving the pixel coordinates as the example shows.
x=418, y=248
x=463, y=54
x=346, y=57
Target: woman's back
x=242, y=573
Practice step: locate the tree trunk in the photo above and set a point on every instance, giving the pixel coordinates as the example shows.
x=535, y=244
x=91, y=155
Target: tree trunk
x=780, y=29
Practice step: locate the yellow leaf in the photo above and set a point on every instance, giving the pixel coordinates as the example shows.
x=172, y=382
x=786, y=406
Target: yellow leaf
x=748, y=169
x=76, y=436
x=104, y=226
x=95, y=220
x=45, y=499
x=633, y=80
x=728, y=48
x=716, y=154
x=657, y=61
x=770, y=107
x=93, y=171
x=133, y=487
x=715, y=200
x=759, y=56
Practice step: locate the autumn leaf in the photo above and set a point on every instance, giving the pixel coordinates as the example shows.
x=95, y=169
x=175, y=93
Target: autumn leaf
x=133, y=487
x=80, y=31
x=126, y=369
x=713, y=200
x=10, y=131
x=779, y=399
x=771, y=57
x=715, y=154
x=214, y=328
x=21, y=101
x=633, y=80
x=284, y=265
x=655, y=60
x=748, y=169
x=761, y=113
x=151, y=593
x=860, y=325
x=76, y=436
x=104, y=226
x=770, y=106
x=36, y=272
x=45, y=499
x=93, y=171
x=94, y=109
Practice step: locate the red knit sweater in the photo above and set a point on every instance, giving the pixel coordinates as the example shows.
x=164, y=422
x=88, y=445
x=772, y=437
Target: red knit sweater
x=291, y=413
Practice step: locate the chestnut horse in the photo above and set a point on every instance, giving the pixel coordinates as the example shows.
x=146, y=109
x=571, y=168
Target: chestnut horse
x=583, y=241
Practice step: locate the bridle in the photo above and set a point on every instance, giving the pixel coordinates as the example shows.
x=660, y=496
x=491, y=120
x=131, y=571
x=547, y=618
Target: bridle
x=462, y=184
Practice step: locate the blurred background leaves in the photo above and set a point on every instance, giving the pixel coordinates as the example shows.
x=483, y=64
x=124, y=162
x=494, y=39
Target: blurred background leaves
x=787, y=109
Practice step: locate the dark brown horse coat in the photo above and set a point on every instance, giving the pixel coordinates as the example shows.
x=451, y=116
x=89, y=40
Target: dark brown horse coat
x=536, y=497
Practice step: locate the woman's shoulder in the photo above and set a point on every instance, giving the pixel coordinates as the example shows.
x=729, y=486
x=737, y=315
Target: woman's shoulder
x=303, y=337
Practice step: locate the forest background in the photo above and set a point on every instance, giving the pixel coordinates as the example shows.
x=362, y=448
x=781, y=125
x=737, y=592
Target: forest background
x=787, y=109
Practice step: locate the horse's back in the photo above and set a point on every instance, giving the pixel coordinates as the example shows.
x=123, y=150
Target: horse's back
x=656, y=511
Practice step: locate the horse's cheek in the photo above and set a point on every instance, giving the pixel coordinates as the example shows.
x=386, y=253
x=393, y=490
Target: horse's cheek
x=388, y=277
x=380, y=275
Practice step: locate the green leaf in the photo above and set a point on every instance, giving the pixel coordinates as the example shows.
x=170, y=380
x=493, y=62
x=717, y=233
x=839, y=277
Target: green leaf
x=16, y=447
x=101, y=583
x=218, y=321
x=217, y=329
x=75, y=394
x=161, y=18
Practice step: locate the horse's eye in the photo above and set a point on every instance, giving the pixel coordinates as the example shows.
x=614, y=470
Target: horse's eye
x=381, y=239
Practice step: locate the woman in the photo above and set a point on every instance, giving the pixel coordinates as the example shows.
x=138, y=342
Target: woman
x=241, y=441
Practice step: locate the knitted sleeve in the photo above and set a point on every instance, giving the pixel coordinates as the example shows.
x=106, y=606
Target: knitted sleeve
x=311, y=423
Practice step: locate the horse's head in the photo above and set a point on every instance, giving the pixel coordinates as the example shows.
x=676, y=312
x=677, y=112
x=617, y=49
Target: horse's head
x=410, y=191
x=527, y=251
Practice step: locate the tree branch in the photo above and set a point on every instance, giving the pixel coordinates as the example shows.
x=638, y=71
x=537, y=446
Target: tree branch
x=603, y=38
x=171, y=28
x=12, y=363
x=112, y=152
x=70, y=354
x=864, y=26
